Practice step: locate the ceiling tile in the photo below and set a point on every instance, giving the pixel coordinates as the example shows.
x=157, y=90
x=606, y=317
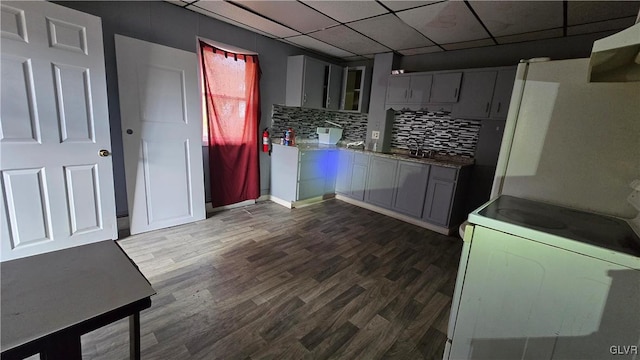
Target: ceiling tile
x=445, y=22
x=355, y=58
x=422, y=50
x=581, y=12
x=468, y=44
x=313, y=44
x=397, y=5
x=516, y=17
x=391, y=31
x=536, y=35
x=291, y=13
x=347, y=39
x=347, y=11
x=238, y=15
x=608, y=25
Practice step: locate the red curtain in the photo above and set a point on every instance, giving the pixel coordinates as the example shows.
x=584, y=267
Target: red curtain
x=231, y=87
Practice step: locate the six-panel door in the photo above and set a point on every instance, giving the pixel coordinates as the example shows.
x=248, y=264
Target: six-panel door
x=57, y=191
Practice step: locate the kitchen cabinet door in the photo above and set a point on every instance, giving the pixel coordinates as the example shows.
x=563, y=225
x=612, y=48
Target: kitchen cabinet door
x=358, y=181
x=438, y=201
x=475, y=95
x=381, y=184
x=420, y=89
x=502, y=94
x=445, y=87
x=312, y=94
x=411, y=187
x=331, y=169
x=310, y=188
x=398, y=89
x=334, y=87
x=344, y=171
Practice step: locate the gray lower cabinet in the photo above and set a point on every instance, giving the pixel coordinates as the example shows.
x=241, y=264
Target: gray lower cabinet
x=345, y=169
x=298, y=174
x=411, y=186
x=316, y=174
x=359, y=176
x=381, y=184
x=434, y=194
x=351, y=177
x=438, y=201
x=444, y=201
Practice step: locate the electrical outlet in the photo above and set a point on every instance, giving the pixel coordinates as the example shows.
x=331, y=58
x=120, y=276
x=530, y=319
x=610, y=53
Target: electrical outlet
x=375, y=135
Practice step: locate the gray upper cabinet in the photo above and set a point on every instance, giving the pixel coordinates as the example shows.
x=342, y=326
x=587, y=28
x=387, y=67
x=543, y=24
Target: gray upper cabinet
x=397, y=89
x=381, y=184
x=309, y=83
x=445, y=87
x=502, y=94
x=333, y=86
x=420, y=89
x=475, y=95
x=411, y=186
x=409, y=89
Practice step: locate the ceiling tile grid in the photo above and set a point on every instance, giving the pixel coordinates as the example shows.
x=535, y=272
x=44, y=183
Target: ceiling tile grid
x=356, y=29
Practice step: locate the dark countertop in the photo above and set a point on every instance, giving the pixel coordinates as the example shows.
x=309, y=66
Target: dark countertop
x=439, y=160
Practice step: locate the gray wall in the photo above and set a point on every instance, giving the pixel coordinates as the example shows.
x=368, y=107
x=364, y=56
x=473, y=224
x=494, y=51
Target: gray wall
x=167, y=24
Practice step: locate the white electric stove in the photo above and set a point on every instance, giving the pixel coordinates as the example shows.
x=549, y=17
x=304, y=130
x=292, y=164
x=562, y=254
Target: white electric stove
x=542, y=281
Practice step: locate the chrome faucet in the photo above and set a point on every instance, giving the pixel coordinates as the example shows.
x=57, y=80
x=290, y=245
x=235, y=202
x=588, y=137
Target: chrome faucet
x=418, y=150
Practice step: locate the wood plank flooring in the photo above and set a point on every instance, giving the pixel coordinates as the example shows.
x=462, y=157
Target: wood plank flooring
x=327, y=281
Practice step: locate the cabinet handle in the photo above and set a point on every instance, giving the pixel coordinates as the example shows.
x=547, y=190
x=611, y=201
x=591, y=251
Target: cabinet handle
x=487, y=109
x=304, y=98
x=411, y=93
x=455, y=94
x=328, y=101
x=405, y=93
x=499, y=103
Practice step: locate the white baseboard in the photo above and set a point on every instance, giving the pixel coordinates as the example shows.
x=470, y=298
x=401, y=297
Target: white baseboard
x=301, y=203
x=395, y=215
x=210, y=208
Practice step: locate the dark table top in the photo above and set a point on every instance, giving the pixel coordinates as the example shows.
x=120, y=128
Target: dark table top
x=43, y=294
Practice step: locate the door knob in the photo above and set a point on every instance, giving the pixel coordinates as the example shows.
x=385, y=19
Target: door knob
x=104, y=153
x=129, y=131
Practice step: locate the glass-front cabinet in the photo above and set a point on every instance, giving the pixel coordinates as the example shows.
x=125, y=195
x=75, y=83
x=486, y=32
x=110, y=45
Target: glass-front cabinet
x=353, y=88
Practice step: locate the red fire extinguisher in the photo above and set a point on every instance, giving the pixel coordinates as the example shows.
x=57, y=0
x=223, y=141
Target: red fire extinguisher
x=265, y=140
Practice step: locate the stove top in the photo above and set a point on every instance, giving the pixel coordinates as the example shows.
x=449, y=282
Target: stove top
x=599, y=230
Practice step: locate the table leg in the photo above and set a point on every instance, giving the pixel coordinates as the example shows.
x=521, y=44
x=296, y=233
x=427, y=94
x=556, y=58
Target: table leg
x=134, y=336
x=62, y=348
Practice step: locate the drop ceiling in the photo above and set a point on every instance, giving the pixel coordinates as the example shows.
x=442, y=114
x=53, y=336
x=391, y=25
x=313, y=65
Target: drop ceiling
x=358, y=29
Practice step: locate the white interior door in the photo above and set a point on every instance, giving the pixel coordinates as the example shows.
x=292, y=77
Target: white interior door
x=161, y=116
x=57, y=191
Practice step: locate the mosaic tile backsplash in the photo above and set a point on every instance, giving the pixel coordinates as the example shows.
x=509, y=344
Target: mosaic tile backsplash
x=436, y=131
x=305, y=122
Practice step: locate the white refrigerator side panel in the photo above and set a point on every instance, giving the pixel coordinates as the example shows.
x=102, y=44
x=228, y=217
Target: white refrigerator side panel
x=575, y=143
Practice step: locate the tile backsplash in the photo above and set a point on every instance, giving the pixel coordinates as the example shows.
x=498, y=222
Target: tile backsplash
x=305, y=121
x=436, y=131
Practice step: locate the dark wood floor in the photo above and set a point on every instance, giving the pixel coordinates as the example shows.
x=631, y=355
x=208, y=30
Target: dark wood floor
x=329, y=280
